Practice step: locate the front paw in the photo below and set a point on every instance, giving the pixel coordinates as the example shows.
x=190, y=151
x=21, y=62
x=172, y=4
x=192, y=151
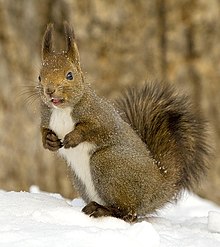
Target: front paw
x=71, y=140
x=51, y=140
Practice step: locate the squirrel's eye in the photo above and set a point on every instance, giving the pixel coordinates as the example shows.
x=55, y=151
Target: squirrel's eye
x=39, y=78
x=69, y=76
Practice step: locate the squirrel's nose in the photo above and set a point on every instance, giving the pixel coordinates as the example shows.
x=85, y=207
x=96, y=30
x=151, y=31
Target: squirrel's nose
x=49, y=91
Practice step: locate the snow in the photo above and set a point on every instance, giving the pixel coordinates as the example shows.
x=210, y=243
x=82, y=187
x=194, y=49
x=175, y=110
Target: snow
x=42, y=219
x=214, y=221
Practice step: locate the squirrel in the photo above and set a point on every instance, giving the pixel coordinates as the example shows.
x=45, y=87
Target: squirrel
x=129, y=158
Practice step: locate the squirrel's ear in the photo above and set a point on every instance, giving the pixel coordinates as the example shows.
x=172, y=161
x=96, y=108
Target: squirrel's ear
x=47, y=44
x=72, y=50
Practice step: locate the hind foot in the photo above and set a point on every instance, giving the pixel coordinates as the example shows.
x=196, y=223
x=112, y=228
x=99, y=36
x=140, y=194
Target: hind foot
x=93, y=209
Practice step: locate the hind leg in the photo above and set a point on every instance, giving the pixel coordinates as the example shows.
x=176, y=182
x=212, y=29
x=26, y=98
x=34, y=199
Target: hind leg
x=93, y=209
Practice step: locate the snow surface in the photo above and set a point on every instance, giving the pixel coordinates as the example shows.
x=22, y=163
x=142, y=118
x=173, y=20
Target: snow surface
x=43, y=219
x=214, y=221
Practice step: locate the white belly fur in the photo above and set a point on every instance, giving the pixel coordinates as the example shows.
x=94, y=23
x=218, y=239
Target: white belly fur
x=79, y=157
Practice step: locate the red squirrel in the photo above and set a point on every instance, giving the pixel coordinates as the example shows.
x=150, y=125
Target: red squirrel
x=129, y=158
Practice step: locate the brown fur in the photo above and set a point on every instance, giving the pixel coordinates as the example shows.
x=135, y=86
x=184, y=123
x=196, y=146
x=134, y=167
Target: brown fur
x=143, y=157
x=172, y=128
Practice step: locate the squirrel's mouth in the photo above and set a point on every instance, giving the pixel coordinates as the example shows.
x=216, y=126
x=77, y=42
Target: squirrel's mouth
x=56, y=101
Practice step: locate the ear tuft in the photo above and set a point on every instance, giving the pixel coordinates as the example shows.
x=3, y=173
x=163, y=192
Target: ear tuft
x=47, y=44
x=72, y=50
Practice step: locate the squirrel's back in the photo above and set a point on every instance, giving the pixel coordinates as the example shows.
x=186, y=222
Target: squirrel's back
x=172, y=129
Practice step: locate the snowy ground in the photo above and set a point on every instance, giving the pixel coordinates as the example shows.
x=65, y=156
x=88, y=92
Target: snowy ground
x=42, y=219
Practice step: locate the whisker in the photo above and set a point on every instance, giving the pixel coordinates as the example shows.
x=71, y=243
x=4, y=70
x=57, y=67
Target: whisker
x=28, y=92
x=30, y=86
x=31, y=99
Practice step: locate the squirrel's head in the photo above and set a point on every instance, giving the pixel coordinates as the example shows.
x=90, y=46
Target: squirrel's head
x=60, y=81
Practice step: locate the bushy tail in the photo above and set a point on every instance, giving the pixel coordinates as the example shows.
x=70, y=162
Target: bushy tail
x=172, y=129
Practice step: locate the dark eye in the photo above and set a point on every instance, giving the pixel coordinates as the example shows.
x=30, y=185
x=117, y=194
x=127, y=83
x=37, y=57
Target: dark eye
x=39, y=78
x=69, y=76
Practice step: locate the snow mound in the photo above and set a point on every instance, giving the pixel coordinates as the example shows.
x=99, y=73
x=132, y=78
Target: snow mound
x=43, y=219
x=214, y=221
x=39, y=219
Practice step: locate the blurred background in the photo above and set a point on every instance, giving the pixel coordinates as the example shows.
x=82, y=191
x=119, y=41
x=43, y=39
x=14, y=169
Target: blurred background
x=121, y=43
